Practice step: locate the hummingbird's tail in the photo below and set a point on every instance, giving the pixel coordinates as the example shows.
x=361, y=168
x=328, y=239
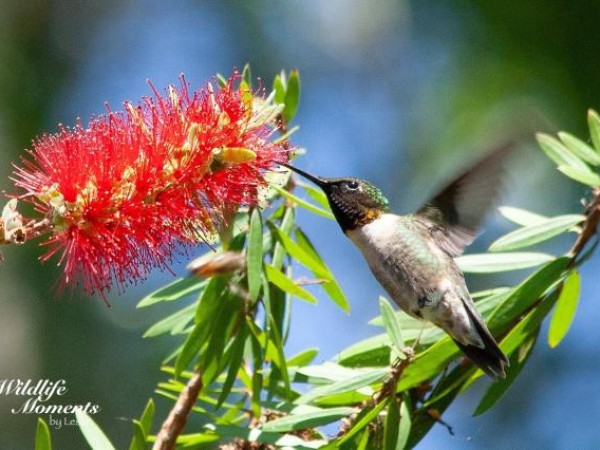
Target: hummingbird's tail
x=490, y=358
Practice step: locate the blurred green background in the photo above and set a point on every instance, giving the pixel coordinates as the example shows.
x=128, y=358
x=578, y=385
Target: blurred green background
x=398, y=92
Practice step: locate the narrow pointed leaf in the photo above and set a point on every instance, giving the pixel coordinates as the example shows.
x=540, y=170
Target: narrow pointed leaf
x=94, y=436
x=42, y=436
x=176, y=290
x=564, y=312
x=304, y=204
x=332, y=287
x=292, y=96
x=303, y=358
x=206, y=311
x=391, y=323
x=534, y=234
x=279, y=88
x=501, y=262
x=247, y=75
x=584, y=176
x=317, y=195
x=255, y=254
x=517, y=362
x=280, y=280
x=365, y=417
x=392, y=425
x=580, y=148
x=138, y=441
x=313, y=264
x=594, y=125
x=287, y=222
x=252, y=435
x=141, y=428
x=405, y=424
x=521, y=216
x=558, y=153
x=315, y=418
x=528, y=292
x=147, y=416
x=519, y=334
x=359, y=381
x=237, y=357
x=172, y=324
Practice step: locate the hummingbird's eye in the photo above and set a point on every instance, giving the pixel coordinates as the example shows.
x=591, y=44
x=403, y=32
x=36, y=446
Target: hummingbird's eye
x=352, y=185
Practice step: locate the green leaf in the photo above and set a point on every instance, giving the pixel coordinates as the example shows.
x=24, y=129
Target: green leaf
x=173, y=323
x=583, y=176
x=392, y=424
x=176, y=290
x=248, y=434
x=292, y=96
x=532, y=289
x=354, y=383
x=287, y=222
x=534, y=234
x=580, y=148
x=255, y=254
x=313, y=264
x=594, y=125
x=138, y=441
x=304, y=204
x=147, y=416
x=364, y=418
x=397, y=425
x=236, y=359
x=247, y=75
x=501, y=262
x=279, y=83
x=332, y=287
x=521, y=216
x=428, y=364
x=303, y=358
x=373, y=351
x=391, y=323
x=142, y=428
x=517, y=362
x=92, y=433
x=405, y=424
x=317, y=195
x=519, y=334
x=42, y=436
x=313, y=417
x=206, y=310
x=221, y=80
x=559, y=153
x=564, y=312
x=280, y=280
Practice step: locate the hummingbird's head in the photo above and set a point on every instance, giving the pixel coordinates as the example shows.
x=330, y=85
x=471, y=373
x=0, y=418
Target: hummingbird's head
x=354, y=202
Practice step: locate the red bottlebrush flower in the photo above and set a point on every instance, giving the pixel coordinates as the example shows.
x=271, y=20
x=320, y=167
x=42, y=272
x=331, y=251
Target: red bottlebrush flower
x=123, y=192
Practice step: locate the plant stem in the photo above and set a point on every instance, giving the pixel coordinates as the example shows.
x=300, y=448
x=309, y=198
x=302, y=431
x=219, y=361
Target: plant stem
x=175, y=422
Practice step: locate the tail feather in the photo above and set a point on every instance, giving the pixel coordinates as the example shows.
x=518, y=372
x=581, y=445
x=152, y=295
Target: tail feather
x=490, y=358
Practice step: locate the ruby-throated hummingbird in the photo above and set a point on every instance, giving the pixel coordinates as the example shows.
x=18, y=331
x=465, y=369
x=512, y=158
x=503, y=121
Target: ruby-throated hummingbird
x=412, y=255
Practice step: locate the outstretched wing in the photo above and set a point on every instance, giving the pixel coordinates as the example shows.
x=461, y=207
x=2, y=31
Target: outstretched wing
x=454, y=215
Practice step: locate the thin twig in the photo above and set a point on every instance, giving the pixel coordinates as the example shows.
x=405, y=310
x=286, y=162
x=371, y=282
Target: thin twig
x=590, y=225
x=175, y=422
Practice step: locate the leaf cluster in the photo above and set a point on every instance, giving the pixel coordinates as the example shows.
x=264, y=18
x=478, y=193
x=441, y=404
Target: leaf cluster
x=386, y=391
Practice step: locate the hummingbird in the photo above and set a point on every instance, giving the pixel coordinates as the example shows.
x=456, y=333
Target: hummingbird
x=412, y=256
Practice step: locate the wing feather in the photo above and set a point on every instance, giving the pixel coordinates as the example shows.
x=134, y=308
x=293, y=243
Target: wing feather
x=454, y=215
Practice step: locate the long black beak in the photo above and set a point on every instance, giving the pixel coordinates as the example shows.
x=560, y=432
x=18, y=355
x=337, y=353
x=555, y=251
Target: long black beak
x=318, y=181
